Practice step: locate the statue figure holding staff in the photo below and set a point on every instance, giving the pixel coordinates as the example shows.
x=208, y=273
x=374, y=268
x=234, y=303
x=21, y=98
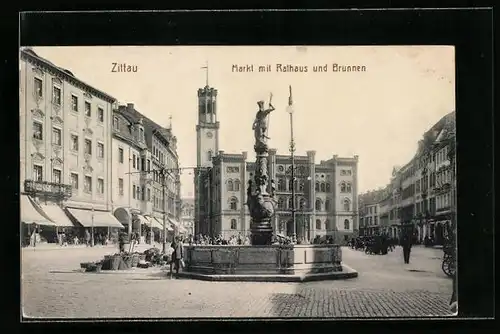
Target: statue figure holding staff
x=260, y=124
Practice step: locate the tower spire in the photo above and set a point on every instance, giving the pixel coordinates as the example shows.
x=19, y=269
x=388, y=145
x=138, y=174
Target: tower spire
x=170, y=122
x=206, y=72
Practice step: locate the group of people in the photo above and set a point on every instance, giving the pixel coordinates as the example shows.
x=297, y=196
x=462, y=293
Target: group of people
x=378, y=244
x=219, y=240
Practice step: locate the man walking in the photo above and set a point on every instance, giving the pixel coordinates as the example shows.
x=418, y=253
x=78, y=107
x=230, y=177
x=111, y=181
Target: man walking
x=177, y=256
x=406, y=243
x=87, y=238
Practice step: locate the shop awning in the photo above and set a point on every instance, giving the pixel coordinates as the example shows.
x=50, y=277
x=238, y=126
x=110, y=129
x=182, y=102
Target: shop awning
x=57, y=215
x=159, y=221
x=32, y=213
x=90, y=218
x=174, y=222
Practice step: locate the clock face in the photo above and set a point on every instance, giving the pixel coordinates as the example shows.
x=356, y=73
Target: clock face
x=209, y=134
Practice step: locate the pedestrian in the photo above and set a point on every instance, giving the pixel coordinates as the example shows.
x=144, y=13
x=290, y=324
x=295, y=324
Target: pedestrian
x=406, y=243
x=87, y=238
x=121, y=241
x=453, y=301
x=177, y=256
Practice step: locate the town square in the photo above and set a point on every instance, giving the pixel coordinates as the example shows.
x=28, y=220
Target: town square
x=237, y=194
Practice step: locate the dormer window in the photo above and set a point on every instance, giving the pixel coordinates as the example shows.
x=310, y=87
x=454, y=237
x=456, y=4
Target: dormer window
x=115, y=123
x=141, y=134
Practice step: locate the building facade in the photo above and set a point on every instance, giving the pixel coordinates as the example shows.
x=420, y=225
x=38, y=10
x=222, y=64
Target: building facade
x=147, y=170
x=326, y=201
x=187, y=217
x=422, y=192
x=65, y=142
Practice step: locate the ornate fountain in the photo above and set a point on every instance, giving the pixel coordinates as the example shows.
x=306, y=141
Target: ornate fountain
x=260, y=191
x=263, y=261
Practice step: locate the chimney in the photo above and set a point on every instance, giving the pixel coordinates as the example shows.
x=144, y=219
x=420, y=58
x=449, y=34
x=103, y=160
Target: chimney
x=130, y=107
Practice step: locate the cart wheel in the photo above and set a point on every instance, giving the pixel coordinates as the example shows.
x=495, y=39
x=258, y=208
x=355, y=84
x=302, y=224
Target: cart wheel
x=448, y=267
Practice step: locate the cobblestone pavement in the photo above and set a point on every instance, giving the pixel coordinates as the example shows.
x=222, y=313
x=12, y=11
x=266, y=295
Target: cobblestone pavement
x=51, y=287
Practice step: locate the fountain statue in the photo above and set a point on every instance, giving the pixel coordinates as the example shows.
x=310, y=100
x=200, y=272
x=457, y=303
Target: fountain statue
x=260, y=191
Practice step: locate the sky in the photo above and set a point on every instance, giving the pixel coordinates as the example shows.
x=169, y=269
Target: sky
x=379, y=114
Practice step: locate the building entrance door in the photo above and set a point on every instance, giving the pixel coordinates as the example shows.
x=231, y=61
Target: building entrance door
x=289, y=228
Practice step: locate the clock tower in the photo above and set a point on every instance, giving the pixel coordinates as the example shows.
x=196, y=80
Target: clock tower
x=207, y=129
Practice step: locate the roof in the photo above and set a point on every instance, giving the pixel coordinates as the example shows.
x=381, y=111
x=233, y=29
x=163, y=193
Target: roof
x=150, y=127
x=29, y=53
x=374, y=196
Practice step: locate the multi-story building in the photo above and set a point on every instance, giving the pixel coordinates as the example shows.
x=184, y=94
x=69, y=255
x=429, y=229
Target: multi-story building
x=325, y=193
x=373, y=206
x=65, y=145
x=422, y=191
x=147, y=165
x=187, y=217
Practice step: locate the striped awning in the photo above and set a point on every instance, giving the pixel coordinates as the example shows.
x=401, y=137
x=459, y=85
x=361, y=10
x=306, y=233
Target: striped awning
x=57, y=215
x=173, y=222
x=31, y=213
x=90, y=218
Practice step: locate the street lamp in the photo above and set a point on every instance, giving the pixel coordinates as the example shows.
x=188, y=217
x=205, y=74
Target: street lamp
x=290, y=110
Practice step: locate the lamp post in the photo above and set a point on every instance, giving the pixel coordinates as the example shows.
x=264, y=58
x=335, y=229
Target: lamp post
x=292, y=157
x=92, y=229
x=163, y=174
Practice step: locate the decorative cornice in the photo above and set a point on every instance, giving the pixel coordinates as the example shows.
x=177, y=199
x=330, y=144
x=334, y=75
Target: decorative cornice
x=38, y=113
x=38, y=71
x=87, y=95
x=56, y=120
x=57, y=161
x=57, y=80
x=37, y=157
x=41, y=65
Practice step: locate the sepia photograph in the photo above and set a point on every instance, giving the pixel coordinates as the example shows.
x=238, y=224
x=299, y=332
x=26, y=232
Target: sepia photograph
x=184, y=182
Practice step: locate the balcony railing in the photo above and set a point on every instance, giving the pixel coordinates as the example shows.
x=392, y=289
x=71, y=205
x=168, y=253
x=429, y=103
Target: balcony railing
x=48, y=188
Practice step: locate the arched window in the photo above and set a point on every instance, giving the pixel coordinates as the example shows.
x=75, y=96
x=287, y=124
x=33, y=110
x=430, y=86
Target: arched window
x=318, y=224
x=281, y=203
x=230, y=185
x=348, y=187
x=317, y=186
x=290, y=184
x=302, y=203
x=327, y=205
x=234, y=203
x=328, y=187
x=237, y=185
x=327, y=224
x=342, y=187
x=347, y=204
x=323, y=189
x=234, y=224
x=346, y=224
x=209, y=155
x=318, y=205
x=281, y=185
x=290, y=202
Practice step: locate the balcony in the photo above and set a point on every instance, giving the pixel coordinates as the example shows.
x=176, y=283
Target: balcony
x=146, y=177
x=50, y=189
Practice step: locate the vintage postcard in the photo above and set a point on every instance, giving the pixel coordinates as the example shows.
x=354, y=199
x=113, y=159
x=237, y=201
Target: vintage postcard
x=245, y=181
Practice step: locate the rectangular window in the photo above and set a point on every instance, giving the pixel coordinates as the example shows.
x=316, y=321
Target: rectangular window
x=149, y=194
x=38, y=87
x=56, y=176
x=133, y=191
x=56, y=136
x=74, y=103
x=100, y=114
x=74, y=143
x=88, y=146
x=87, y=185
x=143, y=164
x=137, y=163
x=37, y=130
x=115, y=123
x=120, y=155
x=149, y=165
x=56, y=96
x=88, y=109
x=74, y=180
x=133, y=160
x=143, y=194
x=100, y=150
x=100, y=186
x=37, y=173
x=120, y=187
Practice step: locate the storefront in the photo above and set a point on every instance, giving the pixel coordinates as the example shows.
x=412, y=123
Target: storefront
x=99, y=223
x=33, y=221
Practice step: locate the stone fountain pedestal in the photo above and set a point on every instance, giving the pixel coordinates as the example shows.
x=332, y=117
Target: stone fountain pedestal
x=266, y=263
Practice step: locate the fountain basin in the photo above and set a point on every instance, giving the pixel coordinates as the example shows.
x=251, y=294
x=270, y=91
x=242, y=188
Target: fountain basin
x=269, y=263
